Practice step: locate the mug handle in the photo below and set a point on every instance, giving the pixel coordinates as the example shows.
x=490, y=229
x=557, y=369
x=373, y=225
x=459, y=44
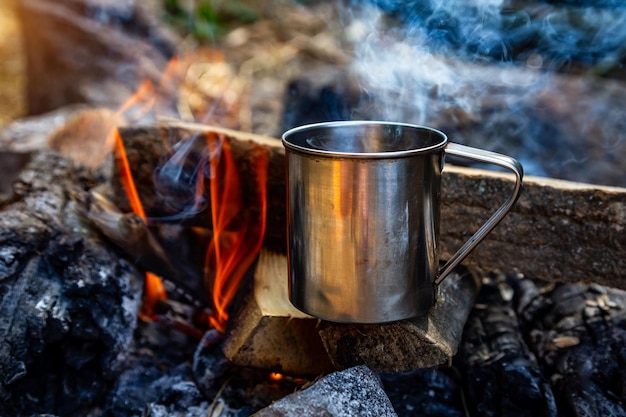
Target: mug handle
x=491, y=158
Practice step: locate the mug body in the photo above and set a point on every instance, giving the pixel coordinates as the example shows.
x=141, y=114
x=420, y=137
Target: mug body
x=363, y=209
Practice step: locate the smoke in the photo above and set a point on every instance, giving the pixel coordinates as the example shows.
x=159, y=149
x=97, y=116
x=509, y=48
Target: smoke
x=517, y=77
x=180, y=177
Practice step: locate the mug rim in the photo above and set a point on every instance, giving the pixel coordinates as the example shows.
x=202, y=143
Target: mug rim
x=290, y=145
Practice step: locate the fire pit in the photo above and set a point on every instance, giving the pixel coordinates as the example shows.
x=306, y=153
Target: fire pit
x=142, y=255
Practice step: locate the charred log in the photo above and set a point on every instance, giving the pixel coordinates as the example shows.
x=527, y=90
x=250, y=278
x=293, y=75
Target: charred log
x=433, y=392
x=69, y=303
x=502, y=376
x=578, y=333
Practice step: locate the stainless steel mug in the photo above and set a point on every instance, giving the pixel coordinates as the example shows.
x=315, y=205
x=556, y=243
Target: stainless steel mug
x=363, y=218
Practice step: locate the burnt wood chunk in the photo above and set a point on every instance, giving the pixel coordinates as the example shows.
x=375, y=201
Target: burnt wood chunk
x=557, y=231
x=503, y=376
x=68, y=302
x=578, y=334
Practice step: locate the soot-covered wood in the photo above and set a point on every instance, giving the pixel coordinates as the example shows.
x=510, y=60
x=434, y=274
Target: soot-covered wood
x=578, y=333
x=69, y=303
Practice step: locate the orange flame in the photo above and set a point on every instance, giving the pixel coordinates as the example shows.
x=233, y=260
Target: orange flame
x=237, y=237
x=154, y=292
x=143, y=101
x=237, y=233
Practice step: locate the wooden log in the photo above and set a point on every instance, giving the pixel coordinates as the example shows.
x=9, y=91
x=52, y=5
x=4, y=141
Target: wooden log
x=91, y=51
x=501, y=372
x=576, y=332
x=69, y=302
x=557, y=231
x=270, y=332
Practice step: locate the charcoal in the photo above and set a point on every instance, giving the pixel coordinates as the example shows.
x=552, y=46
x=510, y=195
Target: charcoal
x=502, y=375
x=426, y=393
x=241, y=389
x=577, y=332
x=69, y=301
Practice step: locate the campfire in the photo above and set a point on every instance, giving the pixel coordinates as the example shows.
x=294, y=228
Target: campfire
x=143, y=239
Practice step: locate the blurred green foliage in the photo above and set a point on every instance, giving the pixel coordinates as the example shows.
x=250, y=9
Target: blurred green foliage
x=207, y=19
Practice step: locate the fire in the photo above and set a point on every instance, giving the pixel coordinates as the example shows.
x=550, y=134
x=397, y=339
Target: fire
x=275, y=376
x=236, y=239
x=142, y=100
x=238, y=231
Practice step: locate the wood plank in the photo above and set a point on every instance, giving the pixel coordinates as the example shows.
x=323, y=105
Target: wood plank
x=558, y=231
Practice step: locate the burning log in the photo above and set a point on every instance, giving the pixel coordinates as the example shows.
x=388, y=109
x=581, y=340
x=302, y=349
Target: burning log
x=270, y=332
x=558, y=230
x=69, y=303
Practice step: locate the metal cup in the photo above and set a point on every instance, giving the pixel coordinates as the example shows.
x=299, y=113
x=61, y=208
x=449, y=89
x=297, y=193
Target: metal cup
x=363, y=210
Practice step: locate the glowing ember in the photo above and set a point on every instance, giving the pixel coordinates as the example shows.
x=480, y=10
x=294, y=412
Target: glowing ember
x=275, y=376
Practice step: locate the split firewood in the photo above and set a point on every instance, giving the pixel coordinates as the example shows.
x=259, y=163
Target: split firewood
x=164, y=160
x=269, y=332
x=557, y=231
x=422, y=342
